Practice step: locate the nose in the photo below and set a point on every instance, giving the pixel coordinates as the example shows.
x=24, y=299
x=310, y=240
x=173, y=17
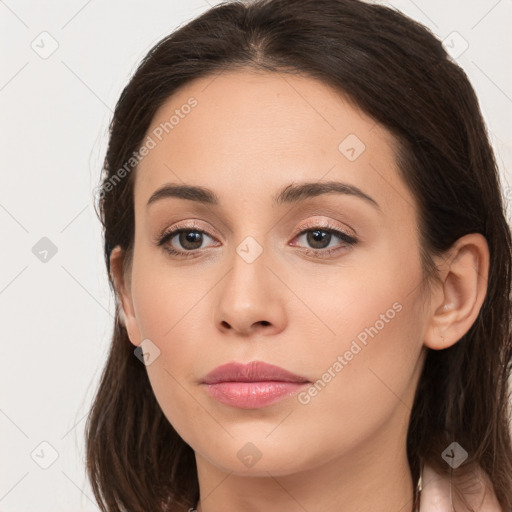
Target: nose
x=250, y=299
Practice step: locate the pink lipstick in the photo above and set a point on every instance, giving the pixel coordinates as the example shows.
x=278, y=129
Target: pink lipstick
x=253, y=385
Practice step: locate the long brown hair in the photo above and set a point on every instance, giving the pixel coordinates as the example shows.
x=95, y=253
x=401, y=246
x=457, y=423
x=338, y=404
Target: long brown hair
x=396, y=71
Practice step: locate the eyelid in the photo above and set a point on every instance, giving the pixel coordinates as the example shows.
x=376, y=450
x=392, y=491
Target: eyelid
x=192, y=225
x=326, y=224
x=310, y=224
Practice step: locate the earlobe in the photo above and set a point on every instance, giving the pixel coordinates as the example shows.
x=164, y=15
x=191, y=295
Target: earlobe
x=456, y=304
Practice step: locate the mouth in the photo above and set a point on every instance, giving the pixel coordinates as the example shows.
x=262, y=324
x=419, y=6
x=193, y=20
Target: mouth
x=253, y=385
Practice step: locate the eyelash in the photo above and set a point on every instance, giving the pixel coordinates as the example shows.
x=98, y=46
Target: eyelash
x=347, y=240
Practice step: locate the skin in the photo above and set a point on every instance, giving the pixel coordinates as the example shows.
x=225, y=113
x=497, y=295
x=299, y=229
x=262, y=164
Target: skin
x=251, y=135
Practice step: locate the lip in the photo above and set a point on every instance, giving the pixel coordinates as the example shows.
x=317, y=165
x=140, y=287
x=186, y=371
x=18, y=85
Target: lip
x=253, y=385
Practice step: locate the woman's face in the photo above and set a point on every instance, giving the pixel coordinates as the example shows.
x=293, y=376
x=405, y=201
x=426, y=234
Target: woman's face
x=265, y=280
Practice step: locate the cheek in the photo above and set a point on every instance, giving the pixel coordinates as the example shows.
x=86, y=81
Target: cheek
x=171, y=312
x=378, y=323
x=163, y=298
x=375, y=303
x=370, y=368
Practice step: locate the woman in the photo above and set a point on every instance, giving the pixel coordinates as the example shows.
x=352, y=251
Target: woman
x=305, y=233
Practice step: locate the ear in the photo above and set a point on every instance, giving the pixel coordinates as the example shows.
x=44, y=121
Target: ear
x=123, y=295
x=455, y=304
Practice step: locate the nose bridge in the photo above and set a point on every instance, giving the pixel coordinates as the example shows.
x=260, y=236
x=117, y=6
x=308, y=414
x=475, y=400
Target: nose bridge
x=247, y=279
x=248, y=295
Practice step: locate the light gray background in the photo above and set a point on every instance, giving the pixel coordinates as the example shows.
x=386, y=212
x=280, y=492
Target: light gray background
x=57, y=315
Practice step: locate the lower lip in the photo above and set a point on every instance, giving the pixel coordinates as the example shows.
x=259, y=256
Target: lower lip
x=253, y=395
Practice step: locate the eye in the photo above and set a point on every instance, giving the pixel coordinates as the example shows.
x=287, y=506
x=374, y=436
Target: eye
x=190, y=239
x=320, y=239
x=185, y=242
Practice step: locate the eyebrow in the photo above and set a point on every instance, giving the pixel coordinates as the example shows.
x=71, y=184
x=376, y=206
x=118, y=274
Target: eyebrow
x=293, y=193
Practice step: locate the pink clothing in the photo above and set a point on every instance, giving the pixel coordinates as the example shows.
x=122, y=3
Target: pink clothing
x=435, y=494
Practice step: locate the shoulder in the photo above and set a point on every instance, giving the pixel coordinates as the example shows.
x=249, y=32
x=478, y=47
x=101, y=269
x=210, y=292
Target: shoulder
x=473, y=485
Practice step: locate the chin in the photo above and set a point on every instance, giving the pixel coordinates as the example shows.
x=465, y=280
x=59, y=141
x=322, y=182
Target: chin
x=259, y=457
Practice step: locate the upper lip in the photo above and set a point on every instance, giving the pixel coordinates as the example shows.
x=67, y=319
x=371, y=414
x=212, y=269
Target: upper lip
x=255, y=371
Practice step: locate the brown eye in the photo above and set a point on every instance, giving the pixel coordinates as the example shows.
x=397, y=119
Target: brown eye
x=320, y=241
x=318, y=237
x=183, y=241
x=190, y=240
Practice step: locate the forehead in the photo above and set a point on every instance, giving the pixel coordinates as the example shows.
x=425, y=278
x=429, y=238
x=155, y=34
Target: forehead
x=252, y=132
